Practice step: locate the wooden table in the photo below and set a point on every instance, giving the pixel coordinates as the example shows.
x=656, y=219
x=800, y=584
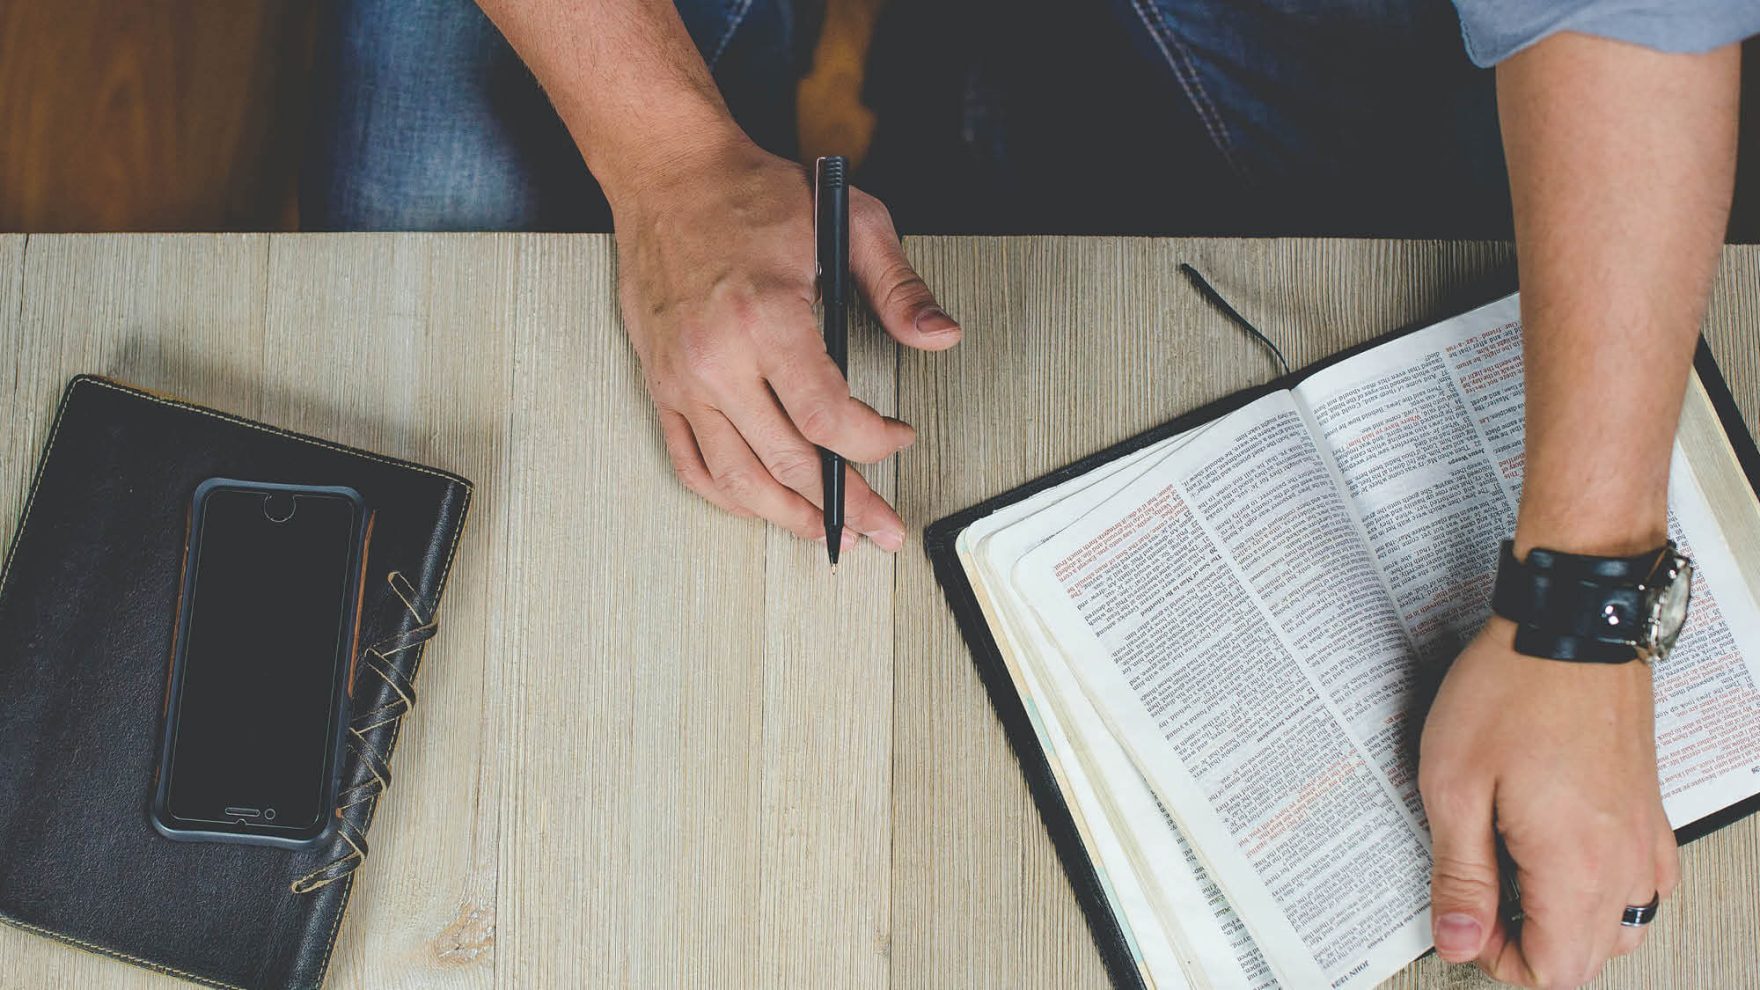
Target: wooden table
x=640, y=757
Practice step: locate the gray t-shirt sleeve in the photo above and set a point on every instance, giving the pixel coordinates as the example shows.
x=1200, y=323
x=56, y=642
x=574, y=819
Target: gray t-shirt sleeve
x=1496, y=29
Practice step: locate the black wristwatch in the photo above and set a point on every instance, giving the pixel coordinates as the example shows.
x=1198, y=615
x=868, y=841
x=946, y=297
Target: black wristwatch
x=1594, y=609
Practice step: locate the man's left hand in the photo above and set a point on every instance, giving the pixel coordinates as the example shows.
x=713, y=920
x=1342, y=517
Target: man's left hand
x=1560, y=759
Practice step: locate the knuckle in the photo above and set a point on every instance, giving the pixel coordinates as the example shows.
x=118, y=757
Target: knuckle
x=1601, y=826
x=800, y=363
x=738, y=484
x=1590, y=865
x=1668, y=850
x=873, y=515
x=1453, y=800
x=701, y=352
x=1591, y=857
x=686, y=468
x=904, y=287
x=1671, y=871
x=1460, y=880
x=865, y=503
x=870, y=212
x=667, y=390
x=794, y=468
x=819, y=424
x=742, y=309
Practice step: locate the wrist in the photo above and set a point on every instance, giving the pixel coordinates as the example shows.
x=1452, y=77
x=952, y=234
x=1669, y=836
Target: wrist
x=650, y=166
x=1570, y=679
x=1605, y=527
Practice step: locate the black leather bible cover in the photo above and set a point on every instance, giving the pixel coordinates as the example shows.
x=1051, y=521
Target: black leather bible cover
x=939, y=544
x=88, y=596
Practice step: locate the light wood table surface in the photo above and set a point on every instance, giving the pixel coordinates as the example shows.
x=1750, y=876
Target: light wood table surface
x=657, y=746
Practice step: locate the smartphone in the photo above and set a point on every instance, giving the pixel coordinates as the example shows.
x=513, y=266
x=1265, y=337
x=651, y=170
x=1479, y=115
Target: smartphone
x=261, y=667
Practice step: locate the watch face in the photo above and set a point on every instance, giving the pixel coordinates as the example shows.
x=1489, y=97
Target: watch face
x=1668, y=606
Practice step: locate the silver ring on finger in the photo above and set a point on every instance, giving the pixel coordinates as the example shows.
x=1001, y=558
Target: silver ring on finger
x=1639, y=915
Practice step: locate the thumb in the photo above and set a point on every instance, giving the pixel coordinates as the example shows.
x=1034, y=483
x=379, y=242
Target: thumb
x=1464, y=880
x=893, y=289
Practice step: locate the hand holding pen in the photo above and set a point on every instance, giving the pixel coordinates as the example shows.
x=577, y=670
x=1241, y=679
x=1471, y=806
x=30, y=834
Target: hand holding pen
x=717, y=280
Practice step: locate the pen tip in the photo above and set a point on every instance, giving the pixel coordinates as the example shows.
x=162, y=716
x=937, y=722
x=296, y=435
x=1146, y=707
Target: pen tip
x=833, y=570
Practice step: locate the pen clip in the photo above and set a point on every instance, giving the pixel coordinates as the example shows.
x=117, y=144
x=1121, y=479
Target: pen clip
x=818, y=230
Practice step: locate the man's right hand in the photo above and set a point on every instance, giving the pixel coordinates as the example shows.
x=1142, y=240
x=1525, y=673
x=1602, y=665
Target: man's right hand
x=716, y=269
x=715, y=243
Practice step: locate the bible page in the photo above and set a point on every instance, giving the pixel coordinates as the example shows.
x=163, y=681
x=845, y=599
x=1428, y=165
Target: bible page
x=1152, y=943
x=1216, y=947
x=1225, y=618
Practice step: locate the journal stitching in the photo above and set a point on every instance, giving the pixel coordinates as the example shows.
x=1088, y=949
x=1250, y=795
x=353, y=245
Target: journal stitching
x=116, y=954
x=273, y=431
x=739, y=17
x=1179, y=61
x=397, y=726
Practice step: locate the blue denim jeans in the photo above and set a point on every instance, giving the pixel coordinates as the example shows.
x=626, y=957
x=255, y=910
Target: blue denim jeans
x=1332, y=116
x=1372, y=105
x=425, y=118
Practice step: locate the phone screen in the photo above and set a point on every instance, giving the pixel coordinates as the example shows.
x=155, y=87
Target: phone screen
x=271, y=603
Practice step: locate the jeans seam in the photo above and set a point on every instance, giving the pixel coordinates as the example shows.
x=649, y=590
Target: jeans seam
x=733, y=23
x=1185, y=72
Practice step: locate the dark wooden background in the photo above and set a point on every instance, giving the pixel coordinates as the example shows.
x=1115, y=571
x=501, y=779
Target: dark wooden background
x=151, y=114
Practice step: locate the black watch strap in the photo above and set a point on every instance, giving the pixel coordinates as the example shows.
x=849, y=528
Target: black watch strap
x=1569, y=607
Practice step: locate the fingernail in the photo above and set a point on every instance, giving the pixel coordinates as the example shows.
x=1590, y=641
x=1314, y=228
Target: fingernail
x=849, y=539
x=1457, y=936
x=888, y=539
x=910, y=432
x=934, y=321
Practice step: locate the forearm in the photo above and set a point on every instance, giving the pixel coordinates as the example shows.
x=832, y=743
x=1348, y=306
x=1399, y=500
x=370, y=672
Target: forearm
x=1621, y=165
x=625, y=77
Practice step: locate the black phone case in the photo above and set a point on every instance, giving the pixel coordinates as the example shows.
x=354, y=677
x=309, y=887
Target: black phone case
x=939, y=541
x=163, y=821
x=87, y=594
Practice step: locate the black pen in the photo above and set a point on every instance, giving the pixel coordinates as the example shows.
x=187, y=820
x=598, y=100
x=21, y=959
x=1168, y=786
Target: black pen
x=831, y=230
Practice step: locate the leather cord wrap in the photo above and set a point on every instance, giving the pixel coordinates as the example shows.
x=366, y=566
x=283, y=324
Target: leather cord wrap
x=381, y=658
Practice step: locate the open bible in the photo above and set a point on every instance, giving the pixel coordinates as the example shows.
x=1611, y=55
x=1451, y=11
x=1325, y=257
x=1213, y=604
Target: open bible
x=1213, y=647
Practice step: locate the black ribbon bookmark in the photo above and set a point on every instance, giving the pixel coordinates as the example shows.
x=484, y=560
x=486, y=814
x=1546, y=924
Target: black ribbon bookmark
x=1209, y=292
